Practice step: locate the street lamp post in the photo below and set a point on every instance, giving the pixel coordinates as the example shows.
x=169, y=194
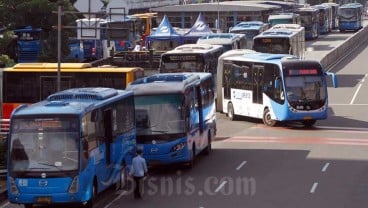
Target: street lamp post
x=59, y=44
x=218, y=16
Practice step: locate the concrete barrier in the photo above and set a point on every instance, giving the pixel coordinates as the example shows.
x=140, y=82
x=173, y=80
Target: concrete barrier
x=345, y=48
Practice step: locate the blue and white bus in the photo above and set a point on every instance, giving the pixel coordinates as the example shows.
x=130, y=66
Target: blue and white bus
x=71, y=146
x=325, y=18
x=192, y=58
x=274, y=87
x=334, y=11
x=310, y=21
x=284, y=18
x=282, y=39
x=176, y=116
x=250, y=29
x=350, y=17
x=228, y=41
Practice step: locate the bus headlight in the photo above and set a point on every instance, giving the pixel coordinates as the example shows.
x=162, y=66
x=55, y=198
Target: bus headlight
x=13, y=186
x=74, y=186
x=178, y=147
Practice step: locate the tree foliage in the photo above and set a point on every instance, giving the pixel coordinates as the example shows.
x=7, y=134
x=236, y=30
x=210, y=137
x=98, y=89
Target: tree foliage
x=39, y=14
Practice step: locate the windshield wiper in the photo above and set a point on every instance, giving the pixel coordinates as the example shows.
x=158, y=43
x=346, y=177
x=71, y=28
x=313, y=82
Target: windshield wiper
x=50, y=165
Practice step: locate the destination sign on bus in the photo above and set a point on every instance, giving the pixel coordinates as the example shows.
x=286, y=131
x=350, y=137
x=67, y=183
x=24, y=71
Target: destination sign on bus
x=39, y=124
x=295, y=72
x=182, y=58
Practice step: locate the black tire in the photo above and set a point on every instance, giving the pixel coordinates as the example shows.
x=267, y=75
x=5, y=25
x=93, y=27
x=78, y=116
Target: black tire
x=267, y=118
x=28, y=206
x=192, y=160
x=230, y=112
x=208, y=149
x=123, y=180
x=93, y=197
x=309, y=123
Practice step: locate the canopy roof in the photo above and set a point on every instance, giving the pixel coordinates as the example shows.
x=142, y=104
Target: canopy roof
x=200, y=28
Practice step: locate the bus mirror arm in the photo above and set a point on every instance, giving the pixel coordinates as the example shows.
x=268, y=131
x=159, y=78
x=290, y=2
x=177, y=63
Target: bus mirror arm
x=334, y=79
x=277, y=83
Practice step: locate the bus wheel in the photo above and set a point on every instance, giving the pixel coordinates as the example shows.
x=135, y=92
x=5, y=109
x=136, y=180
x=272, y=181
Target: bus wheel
x=209, y=145
x=267, y=118
x=230, y=112
x=28, y=205
x=191, y=162
x=93, y=196
x=309, y=123
x=123, y=179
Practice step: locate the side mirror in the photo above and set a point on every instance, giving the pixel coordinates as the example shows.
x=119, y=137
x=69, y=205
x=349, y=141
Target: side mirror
x=277, y=83
x=334, y=79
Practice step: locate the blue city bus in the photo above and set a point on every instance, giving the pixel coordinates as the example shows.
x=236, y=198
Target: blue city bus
x=28, y=44
x=250, y=29
x=176, y=116
x=335, y=16
x=310, y=21
x=274, y=87
x=282, y=39
x=71, y=146
x=325, y=18
x=350, y=17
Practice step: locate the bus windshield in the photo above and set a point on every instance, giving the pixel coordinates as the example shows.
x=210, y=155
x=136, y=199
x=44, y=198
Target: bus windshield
x=305, y=88
x=272, y=45
x=159, y=115
x=182, y=63
x=306, y=19
x=348, y=14
x=47, y=145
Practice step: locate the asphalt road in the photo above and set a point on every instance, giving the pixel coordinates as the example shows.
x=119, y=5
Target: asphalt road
x=286, y=166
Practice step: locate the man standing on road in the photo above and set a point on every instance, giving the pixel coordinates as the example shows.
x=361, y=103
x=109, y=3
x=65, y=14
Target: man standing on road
x=138, y=171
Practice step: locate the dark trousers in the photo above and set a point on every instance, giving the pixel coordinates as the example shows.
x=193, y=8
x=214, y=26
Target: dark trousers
x=137, y=187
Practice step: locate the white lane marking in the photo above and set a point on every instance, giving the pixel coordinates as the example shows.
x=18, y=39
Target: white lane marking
x=241, y=165
x=356, y=92
x=117, y=198
x=314, y=187
x=325, y=167
x=220, y=186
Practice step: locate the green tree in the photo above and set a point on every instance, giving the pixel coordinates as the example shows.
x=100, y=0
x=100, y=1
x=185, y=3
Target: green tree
x=39, y=14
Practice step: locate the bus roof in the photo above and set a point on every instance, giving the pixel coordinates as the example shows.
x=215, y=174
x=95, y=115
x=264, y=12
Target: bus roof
x=72, y=101
x=166, y=83
x=262, y=57
x=194, y=48
x=248, y=25
x=287, y=26
x=236, y=52
x=51, y=65
x=282, y=16
x=351, y=5
x=67, y=67
x=219, y=38
x=277, y=32
x=306, y=9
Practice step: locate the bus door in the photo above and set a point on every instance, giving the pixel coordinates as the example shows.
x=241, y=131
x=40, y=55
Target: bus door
x=201, y=142
x=257, y=71
x=49, y=85
x=199, y=107
x=108, y=134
